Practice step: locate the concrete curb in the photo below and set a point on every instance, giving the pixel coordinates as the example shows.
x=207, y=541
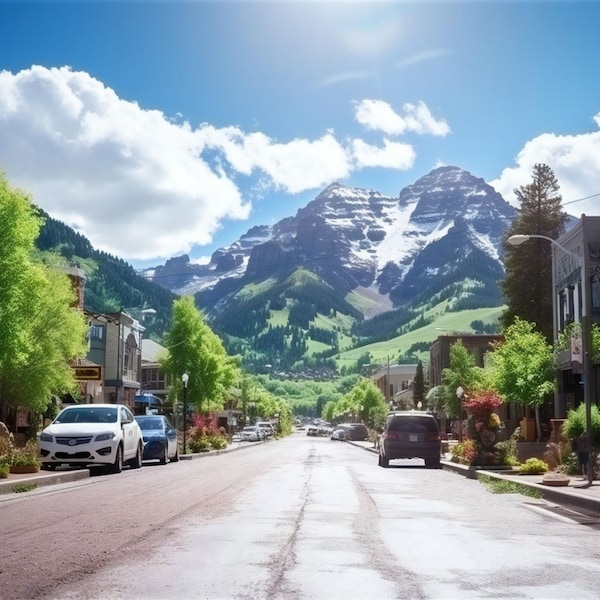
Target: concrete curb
x=41, y=479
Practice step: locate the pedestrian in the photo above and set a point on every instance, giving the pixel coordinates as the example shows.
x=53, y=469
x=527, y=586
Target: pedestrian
x=583, y=451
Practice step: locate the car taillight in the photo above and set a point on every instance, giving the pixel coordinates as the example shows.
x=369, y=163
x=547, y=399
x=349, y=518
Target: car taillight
x=391, y=435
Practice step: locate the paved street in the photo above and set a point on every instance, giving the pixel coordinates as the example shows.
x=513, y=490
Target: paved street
x=301, y=518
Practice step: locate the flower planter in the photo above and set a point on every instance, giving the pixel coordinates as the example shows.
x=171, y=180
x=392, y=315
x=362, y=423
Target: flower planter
x=20, y=469
x=556, y=481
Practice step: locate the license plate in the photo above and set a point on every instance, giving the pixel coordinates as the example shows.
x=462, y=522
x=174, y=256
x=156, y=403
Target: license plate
x=413, y=438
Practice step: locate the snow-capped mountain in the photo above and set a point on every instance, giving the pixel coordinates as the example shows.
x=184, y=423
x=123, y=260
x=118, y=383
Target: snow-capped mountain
x=446, y=227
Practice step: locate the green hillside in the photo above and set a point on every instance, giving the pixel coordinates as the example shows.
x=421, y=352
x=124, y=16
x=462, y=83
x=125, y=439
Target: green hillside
x=445, y=323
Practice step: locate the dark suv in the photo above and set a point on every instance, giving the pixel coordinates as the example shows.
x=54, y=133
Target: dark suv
x=411, y=434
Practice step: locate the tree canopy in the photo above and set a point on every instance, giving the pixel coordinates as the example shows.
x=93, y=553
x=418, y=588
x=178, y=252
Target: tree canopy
x=194, y=349
x=40, y=328
x=523, y=368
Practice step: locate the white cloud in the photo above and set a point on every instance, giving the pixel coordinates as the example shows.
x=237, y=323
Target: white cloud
x=378, y=115
x=575, y=160
x=142, y=185
x=394, y=155
x=127, y=178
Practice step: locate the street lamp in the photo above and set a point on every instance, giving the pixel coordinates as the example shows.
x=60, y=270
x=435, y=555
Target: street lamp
x=517, y=240
x=184, y=379
x=460, y=394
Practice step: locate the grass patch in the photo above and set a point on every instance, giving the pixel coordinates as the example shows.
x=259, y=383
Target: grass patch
x=19, y=488
x=503, y=486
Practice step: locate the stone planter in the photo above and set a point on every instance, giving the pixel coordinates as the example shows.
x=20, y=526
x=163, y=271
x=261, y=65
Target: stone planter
x=20, y=469
x=556, y=480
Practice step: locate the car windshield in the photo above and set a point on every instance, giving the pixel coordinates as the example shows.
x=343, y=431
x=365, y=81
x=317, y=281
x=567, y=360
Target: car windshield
x=149, y=423
x=87, y=414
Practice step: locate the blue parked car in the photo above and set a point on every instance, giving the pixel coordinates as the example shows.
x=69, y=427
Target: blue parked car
x=160, y=438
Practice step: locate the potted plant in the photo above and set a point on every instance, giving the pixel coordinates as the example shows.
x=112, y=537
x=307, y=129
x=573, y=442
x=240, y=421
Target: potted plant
x=26, y=459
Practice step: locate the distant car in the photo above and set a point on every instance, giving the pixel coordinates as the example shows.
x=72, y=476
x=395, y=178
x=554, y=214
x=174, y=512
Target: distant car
x=312, y=430
x=340, y=433
x=411, y=434
x=251, y=433
x=267, y=428
x=358, y=432
x=160, y=438
x=91, y=435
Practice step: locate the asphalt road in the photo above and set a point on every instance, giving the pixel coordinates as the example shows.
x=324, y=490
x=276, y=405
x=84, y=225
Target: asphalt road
x=297, y=519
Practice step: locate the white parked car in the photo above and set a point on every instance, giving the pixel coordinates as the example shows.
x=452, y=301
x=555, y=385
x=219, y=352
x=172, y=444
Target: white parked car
x=251, y=433
x=92, y=434
x=267, y=428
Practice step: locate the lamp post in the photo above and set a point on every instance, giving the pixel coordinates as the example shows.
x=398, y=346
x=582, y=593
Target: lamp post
x=517, y=240
x=460, y=394
x=184, y=379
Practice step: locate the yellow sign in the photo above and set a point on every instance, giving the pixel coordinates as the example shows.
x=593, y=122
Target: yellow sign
x=88, y=373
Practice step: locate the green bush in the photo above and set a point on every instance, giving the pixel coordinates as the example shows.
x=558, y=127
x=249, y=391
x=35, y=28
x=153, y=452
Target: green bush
x=508, y=453
x=217, y=442
x=200, y=444
x=533, y=466
x=575, y=424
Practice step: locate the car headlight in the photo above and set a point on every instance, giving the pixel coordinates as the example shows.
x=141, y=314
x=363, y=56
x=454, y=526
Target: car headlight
x=45, y=437
x=109, y=435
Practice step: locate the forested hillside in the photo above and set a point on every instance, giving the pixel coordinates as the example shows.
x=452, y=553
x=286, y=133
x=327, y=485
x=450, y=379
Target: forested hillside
x=112, y=284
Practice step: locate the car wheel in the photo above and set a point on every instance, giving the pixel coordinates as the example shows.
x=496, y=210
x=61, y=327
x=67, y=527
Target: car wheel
x=165, y=456
x=176, y=457
x=384, y=462
x=136, y=461
x=117, y=466
x=432, y=463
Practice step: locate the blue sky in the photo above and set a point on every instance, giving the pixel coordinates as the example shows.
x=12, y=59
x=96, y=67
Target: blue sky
x=157, y=128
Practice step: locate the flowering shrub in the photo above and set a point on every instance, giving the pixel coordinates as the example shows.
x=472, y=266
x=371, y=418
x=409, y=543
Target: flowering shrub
x=483, y=404
x=204, y=436
x=494, y=421
x=465, y=452
x=482, y=426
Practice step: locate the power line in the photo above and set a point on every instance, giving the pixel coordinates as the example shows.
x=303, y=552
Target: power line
x=581, y=199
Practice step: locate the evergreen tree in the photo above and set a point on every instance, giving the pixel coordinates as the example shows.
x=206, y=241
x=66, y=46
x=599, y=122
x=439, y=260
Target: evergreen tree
x=527, y=286
x=419, y=386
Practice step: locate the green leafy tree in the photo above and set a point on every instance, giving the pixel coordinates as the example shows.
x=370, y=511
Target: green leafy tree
x=365, y=402
x=527, y=286
x=463, y=373
x=40, y=329
x=194, y=349
x=523, y=368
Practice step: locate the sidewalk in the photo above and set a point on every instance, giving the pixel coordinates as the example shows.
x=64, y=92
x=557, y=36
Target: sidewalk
x=574, y=495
